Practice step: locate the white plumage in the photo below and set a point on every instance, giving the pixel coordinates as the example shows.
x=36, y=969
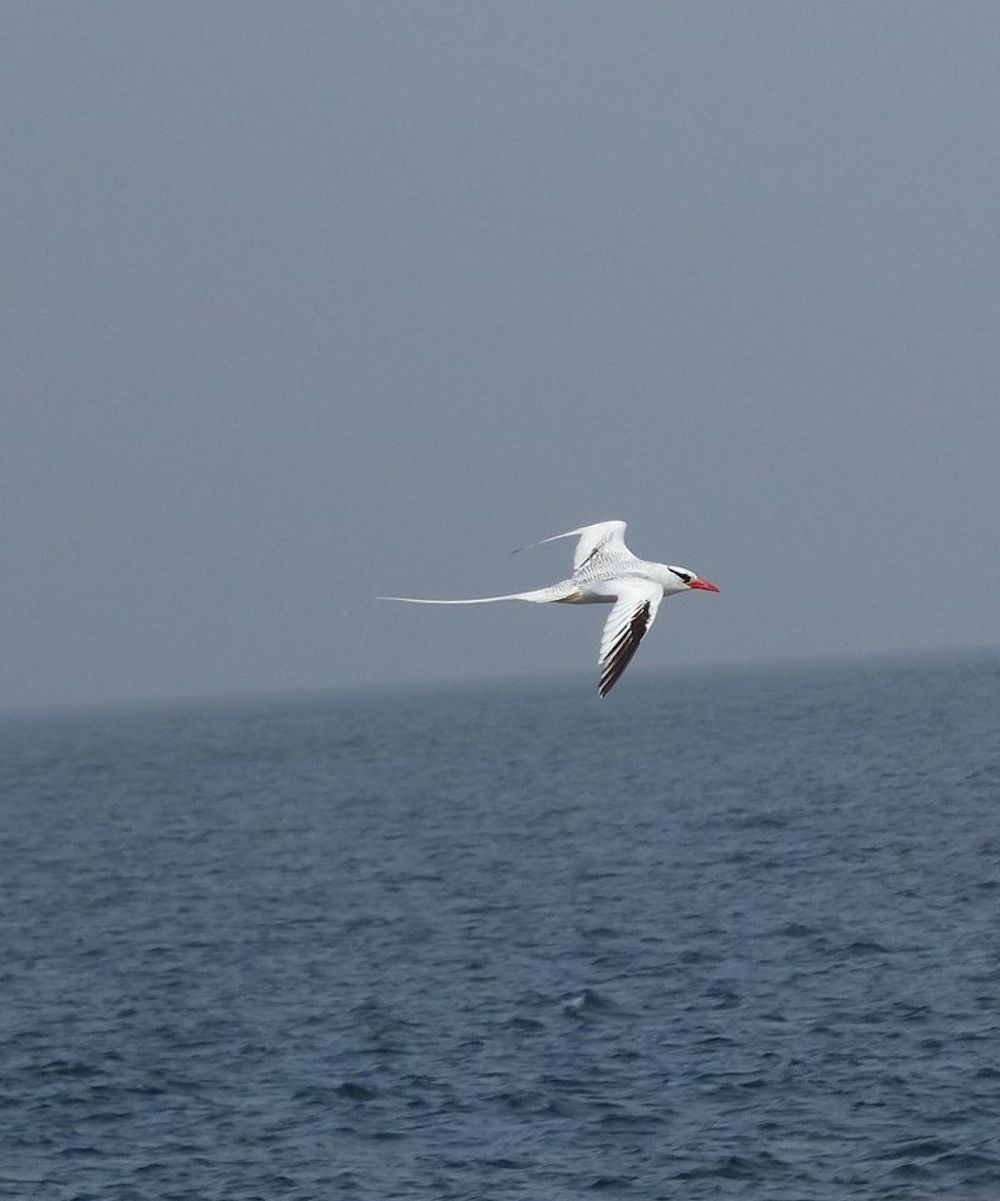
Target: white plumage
x=605, y=571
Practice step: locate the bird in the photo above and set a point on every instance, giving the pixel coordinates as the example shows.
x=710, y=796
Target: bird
x=605, y=572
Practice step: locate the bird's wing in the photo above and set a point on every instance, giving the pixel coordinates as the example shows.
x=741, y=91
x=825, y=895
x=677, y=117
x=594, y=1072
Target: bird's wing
x=631, y=616
x=605, y=539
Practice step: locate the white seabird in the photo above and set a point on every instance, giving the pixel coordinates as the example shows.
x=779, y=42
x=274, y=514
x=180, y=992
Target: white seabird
x=605, y=572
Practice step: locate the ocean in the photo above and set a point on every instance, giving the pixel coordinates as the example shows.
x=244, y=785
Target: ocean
x=726, y=934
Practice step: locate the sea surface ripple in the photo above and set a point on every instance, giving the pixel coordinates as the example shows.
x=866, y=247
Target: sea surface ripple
x=724, y=935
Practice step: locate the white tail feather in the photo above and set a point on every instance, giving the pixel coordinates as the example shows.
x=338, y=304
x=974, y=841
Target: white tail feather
x=539, y=596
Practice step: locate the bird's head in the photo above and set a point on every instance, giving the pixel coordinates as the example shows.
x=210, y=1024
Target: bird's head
x=683, y=580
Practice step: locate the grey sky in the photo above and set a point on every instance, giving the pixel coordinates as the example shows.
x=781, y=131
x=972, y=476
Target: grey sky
x=306, y=302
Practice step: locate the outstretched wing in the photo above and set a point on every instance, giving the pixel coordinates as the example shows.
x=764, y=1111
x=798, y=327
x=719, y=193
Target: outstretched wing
x=631, y=616
x=606, y=540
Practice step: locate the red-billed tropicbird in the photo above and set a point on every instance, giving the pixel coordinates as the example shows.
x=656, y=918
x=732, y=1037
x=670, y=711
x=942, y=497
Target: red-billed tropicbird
x=605, y=572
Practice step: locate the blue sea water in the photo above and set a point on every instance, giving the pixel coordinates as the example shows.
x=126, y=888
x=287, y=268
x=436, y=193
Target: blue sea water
x=733, y=934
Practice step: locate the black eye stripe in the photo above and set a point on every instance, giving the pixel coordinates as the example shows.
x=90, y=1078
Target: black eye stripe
x=681, y=575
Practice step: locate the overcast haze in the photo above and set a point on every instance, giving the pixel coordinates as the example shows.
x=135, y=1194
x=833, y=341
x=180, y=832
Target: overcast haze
x=309, y=302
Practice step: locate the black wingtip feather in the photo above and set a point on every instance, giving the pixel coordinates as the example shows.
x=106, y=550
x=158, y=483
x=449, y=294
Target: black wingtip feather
x=624, y=648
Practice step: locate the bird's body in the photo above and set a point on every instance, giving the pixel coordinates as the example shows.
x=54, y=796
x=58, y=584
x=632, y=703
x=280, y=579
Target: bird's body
x=604, y=572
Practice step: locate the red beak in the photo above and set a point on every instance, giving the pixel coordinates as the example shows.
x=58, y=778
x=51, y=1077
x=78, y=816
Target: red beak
x=704, y=585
